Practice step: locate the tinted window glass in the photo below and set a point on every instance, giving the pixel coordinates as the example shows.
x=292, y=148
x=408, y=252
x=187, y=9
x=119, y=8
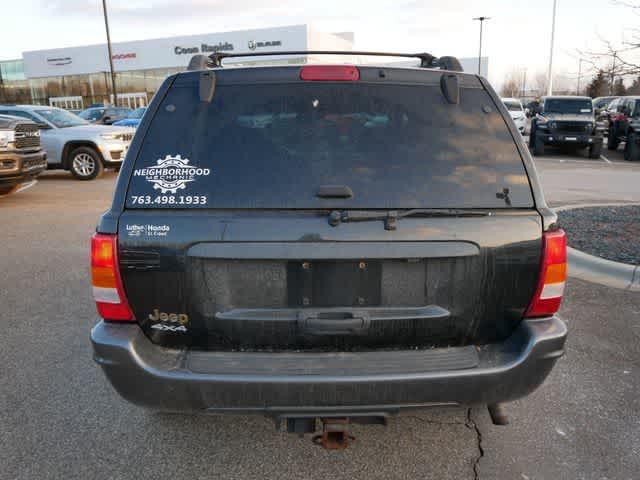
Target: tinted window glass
x=513, y=106
x=61, y=118
x=563, y=105
x=19, y=113
x=137, y=113
x=628, y=106
x=273, y=146
x=92, y=114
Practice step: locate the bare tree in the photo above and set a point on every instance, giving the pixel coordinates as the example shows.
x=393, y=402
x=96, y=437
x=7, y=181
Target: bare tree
x=620, y=59
x=540, y=83
x=634, y=89
x=599, y=85
x=512, y=86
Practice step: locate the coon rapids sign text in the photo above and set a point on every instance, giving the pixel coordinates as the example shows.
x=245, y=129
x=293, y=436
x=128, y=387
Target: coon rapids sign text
x=203, y=48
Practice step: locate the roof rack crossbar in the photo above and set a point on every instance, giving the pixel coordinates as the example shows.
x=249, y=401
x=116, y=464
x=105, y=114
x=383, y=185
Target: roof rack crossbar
x=426, y=59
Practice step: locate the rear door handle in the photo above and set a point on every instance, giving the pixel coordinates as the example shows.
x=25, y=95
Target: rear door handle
x=334, y=191
x=317, y=323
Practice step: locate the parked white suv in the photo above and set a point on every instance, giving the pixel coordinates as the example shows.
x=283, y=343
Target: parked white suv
x=517, y=113
x=74, y=144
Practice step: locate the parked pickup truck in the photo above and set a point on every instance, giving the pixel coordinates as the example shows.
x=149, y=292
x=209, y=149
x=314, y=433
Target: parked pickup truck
x=327, y=241
x=22, y=158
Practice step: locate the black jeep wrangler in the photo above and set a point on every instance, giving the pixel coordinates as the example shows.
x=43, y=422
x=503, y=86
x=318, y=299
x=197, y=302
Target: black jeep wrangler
x=327, y=241
x=567, y=122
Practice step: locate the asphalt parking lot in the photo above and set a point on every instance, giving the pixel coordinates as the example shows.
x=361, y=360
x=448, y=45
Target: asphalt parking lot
x=573, y=178
x=60, y=419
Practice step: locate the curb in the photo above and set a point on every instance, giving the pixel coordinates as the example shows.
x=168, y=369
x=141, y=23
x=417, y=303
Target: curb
x=604, y=272
x=564, y=208
x=599, y=270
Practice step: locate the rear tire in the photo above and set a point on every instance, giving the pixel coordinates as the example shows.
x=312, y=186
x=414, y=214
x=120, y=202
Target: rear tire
x=631, y=148
x=595, y=150
x=538, y=147
x=612, y=140
x=85, y=163
x=532, y=133
x=7, y=190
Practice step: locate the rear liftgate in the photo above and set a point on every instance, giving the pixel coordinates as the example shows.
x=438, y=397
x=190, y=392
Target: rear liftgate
x=320, y=311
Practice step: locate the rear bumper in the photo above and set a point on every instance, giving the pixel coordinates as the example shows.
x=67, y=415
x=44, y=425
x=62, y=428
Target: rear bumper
x=181, y=380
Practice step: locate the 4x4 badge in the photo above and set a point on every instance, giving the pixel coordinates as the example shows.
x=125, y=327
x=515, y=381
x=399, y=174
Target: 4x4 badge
x=172, y=173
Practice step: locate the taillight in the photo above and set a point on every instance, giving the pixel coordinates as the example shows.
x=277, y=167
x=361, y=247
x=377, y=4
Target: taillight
x=329, y=73
x=108, y=293
x=553, y=274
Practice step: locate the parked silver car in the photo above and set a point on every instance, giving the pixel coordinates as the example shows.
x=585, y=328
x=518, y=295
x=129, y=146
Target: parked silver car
x=72, y=143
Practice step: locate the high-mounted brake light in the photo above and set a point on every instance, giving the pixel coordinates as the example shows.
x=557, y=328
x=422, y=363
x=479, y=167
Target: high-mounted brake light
x=108, y=293
x=553, y=274
x=330, y=73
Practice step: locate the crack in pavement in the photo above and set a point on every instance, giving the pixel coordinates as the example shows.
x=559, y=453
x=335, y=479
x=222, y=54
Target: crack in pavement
x=426, y=420
x=471, y=424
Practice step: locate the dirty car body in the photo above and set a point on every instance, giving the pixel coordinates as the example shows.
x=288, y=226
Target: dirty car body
x=313, y=242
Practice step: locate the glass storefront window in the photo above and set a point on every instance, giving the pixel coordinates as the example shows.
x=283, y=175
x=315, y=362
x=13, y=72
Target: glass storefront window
x=94, y=88
x=12, y=70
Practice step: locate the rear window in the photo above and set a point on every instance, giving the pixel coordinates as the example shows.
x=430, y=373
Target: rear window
x=93, y=114
x=274, y=145
x=513, y=106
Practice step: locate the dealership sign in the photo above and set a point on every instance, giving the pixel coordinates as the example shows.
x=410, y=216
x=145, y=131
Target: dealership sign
x=59, y=61
x=124, y=56
x=204, y=48
x=174, y=52
x=273, y=43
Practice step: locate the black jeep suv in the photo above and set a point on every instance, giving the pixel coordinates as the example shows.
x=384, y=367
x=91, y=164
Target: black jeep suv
x=566, y=122
x=327, y=241
x=622, y=118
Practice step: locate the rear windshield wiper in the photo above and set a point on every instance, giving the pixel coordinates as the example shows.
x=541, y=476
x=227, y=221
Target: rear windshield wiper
x=390, y=217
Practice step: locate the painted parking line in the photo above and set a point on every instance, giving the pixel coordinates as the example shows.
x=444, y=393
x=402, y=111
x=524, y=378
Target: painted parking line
x=605, y=159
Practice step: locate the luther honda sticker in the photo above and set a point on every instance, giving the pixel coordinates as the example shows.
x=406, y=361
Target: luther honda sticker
x=171, y=173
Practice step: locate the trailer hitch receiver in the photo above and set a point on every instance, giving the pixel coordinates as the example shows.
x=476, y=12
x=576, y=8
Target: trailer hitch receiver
x=335, y=434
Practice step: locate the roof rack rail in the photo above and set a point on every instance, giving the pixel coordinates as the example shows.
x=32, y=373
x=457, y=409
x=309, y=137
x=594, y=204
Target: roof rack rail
x=426, y=59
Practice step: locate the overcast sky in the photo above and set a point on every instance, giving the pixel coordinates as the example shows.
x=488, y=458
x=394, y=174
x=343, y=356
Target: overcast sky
x=517, y=35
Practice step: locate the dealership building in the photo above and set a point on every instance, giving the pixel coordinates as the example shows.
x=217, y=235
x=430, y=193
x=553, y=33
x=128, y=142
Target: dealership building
x=77, y=77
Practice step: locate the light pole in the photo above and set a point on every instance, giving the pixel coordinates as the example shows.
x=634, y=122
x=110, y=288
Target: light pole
x=553, y=33
x=1, y=88
x=613, y=72
x=524, y=82
x=481, y=20
x=113, y=75
x=579, y=75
